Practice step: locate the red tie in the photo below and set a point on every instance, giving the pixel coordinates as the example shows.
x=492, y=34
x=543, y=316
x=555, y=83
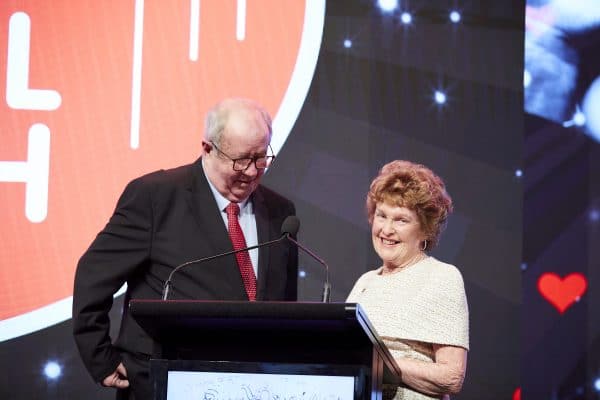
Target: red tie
x=239, y=242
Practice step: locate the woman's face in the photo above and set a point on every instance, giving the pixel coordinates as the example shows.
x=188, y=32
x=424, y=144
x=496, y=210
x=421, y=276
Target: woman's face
x=396, y=233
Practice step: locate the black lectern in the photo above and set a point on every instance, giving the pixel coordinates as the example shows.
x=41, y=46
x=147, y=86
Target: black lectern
x=231, y=349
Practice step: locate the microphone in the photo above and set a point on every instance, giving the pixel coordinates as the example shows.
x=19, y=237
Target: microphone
x=289, y=228
x=167, y=285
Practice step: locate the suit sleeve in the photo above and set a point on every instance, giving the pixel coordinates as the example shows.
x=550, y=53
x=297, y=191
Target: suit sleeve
x=116, y=253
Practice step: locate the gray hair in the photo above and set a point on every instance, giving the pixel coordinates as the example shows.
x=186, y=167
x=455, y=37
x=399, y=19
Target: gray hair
x=217, y=117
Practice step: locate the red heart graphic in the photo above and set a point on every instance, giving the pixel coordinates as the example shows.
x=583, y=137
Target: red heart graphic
x=562, y=293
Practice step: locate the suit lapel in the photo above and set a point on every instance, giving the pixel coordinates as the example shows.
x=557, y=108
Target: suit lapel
x=208, y=217
x=206, y=212
x=212, y=230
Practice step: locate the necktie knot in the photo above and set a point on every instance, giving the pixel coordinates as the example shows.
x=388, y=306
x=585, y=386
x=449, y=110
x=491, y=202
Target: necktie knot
x=232, y=209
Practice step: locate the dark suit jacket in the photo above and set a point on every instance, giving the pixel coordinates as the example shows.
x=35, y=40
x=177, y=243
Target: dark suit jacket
x=162, y=220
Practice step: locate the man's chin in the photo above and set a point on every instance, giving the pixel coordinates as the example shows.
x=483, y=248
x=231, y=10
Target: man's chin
x=243, y=191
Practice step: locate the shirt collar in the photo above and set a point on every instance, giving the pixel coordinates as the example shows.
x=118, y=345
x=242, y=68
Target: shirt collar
x=222, y=202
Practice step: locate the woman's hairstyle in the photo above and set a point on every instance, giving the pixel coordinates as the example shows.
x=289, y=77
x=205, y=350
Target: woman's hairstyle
x=405, y=184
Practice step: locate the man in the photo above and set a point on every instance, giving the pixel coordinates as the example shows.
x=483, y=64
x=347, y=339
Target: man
x=168, y=217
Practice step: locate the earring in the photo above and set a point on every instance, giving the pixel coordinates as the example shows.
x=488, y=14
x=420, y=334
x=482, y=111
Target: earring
x=424, y=245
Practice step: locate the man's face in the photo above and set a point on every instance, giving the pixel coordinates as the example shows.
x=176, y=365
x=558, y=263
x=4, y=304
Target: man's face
x=246, y=135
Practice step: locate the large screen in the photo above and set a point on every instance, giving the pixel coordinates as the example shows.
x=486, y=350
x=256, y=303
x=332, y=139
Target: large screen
x=561, y=325
x=99, y=92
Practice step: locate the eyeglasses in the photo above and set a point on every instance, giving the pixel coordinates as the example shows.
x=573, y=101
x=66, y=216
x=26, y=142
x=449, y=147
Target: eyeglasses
x=242, y=164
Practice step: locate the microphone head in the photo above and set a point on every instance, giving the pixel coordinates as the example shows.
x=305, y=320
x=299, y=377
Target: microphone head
x=290, y=226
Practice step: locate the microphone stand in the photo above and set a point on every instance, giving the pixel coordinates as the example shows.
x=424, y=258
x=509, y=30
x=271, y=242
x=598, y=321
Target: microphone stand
x=327, y=286
x=167, y=285
x=285, y=235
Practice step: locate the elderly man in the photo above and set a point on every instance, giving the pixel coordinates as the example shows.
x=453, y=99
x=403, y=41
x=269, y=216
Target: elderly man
x=168, y=217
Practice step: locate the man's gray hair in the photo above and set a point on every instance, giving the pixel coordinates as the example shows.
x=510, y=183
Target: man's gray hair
x=217, y=117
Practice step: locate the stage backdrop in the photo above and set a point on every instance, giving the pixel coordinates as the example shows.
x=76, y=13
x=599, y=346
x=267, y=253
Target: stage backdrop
x=99, y=92
x=561, y=258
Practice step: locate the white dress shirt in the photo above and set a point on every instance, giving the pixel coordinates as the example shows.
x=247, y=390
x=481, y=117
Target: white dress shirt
x=246, y=218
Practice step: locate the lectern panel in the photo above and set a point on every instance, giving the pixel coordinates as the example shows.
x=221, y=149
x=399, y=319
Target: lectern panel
x=185, y=379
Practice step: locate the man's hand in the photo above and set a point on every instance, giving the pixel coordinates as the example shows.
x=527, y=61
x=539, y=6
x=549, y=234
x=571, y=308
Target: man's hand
x=117, y=379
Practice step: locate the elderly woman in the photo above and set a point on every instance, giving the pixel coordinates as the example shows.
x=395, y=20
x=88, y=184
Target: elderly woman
x=416, y=303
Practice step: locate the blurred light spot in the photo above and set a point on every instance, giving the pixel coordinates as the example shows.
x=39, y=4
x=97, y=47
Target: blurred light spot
x=526, y=78
x=406, y=18
x=347, y=43
x=579, y=118
x=597, y=384
x=387, y=5
x=594, y=215
x=455, y=16
x=518, y=173
x=590, y=106
x=302, y=274
x=52, y=370
x=439, y=97
x=523, y=266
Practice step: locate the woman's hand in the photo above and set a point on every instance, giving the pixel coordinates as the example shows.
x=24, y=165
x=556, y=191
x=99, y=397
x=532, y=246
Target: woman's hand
x=444, y=376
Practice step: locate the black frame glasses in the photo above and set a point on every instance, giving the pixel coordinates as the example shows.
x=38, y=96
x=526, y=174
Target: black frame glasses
x=242, y=164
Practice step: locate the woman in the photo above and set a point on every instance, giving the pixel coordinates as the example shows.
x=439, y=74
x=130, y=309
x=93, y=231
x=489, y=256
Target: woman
x=416, y=303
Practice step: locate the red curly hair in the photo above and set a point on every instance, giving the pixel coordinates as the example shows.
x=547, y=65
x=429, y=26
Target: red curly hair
x=405, y=184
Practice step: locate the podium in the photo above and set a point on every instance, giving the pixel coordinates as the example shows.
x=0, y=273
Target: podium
x=240, y=349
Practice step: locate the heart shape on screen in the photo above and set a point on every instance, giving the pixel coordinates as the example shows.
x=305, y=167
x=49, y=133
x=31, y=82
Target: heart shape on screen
x=562, y=292
x=517, y=394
